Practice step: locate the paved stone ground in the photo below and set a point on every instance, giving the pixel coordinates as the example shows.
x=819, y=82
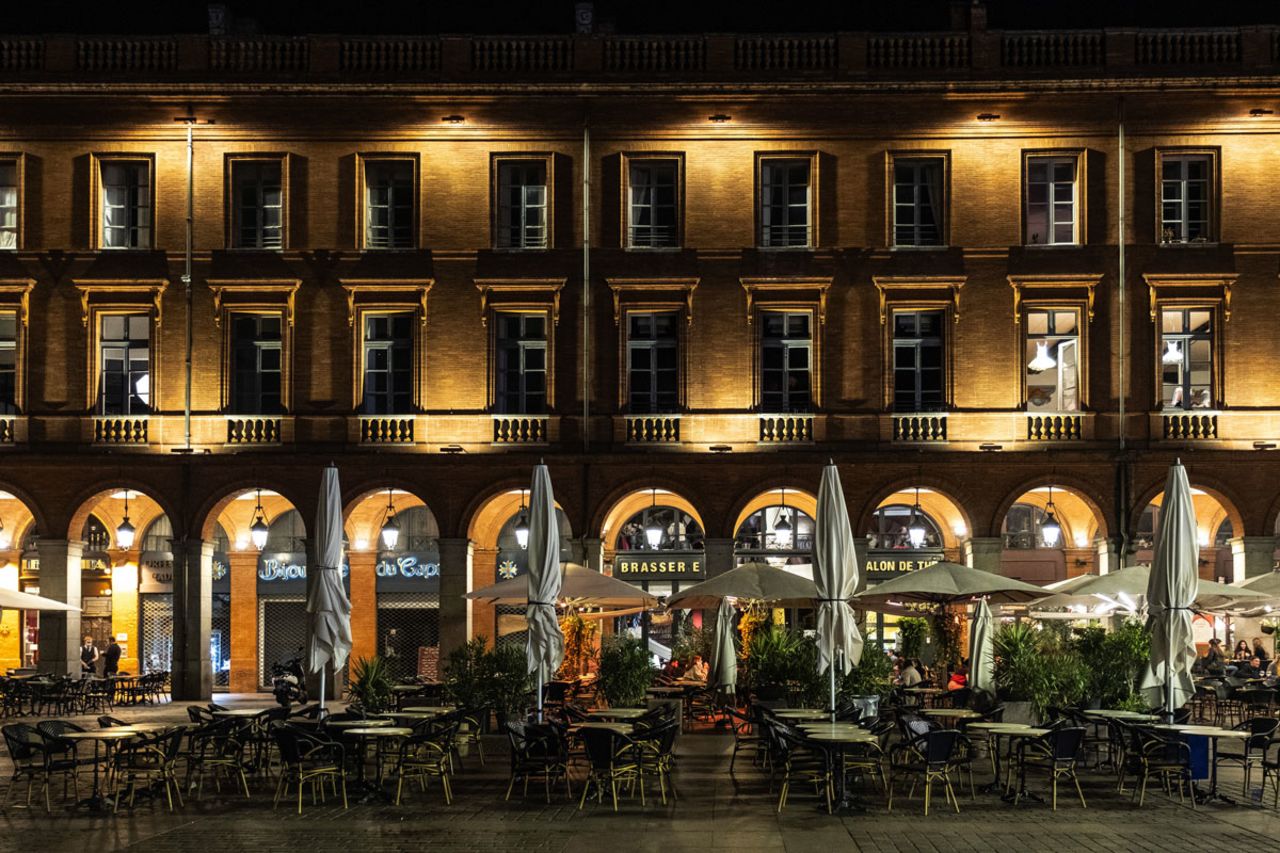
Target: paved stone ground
x=715, y=811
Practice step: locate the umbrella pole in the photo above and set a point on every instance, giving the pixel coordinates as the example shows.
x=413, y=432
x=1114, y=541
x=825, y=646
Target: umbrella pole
x=322, y=693
x=539, y=693
x=832, y=670
x=1168, y=668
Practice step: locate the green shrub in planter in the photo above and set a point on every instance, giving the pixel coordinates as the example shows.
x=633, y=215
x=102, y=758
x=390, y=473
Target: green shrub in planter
x=466, y=674
x=782, y=664
x=625, y=673
x=371, y=683
x=872, y=676
x=508, y=681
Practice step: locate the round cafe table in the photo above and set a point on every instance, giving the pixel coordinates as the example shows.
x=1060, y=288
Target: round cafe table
x=108, y=738
x=954, y=714
x=617, y=713
x=616, y=728
x=837, y=738
x=1125, y=716
x=362, y=736
x=1213, y=734
x=796, y=715
x=239, y=712
x=994, y=732
x=369, y=723
x=438, y=710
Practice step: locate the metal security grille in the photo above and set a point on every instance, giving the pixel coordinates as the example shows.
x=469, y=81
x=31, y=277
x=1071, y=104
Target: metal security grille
x=282, y=633
x=407, y=622
x=155, y=633
x=220, y=641
x=511, y=625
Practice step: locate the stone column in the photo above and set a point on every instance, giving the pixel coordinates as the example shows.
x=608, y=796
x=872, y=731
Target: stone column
x=60, y=580
x=593, y=554
x=192, y=677
x=364, y=604
x=718, y=556
x=1252, y=556
x=244, y=621
x=1109, y=556
x=983, y=552
x=455, y=582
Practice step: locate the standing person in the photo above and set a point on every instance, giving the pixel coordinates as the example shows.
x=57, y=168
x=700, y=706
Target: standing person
x=88, y=656
x=112, y=658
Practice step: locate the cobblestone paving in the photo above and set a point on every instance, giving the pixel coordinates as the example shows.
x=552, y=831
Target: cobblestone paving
x=715, y=811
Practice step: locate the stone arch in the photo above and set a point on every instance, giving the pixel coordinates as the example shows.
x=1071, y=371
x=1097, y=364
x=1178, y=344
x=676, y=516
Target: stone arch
x=796, y=498
x=212, y=510
x=636, y=499
x=1080, y=511
x=145, y=504
x=937, y=500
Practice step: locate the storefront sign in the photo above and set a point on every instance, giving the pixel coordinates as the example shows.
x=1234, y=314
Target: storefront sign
x=286, y=574
x=659, y=565
x=883, y=563
x=408, y=572
x=511, y=564
x=155, y=572
x=221, y=573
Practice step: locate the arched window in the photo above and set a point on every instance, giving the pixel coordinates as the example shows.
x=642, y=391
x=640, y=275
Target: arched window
x=1023, y=528
x=221, y=541
x=159, y=535
x=890, y=525
x=680, y=530
x=507, y=540
x=758, y=531
x=286, y=534
x=1222, y=539
x=418, y=531
x=1144, y=538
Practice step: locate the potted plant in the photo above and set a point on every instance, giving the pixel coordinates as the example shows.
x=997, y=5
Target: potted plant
x=912, y=631
x=508, y=683
x=466, y=674
x=579, y=644
x=625, y=673
x=371, y=685
x=869, y=681
x=1021, y=677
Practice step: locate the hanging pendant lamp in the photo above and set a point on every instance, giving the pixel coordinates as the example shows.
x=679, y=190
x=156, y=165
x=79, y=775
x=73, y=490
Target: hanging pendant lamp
x=916, y=531
x=652, y=530
x=258, y=530
x=522, y=524
x=125, y=532
x=782, y=528
x=1172, y=353
x=1051, y=530
x=391, y=527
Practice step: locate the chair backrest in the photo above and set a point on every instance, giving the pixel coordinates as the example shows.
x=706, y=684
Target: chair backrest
x=22, y=741
x=1065, y=743
x=57, y=728
x=939, y=746
x=106, y=721
x=601, y=746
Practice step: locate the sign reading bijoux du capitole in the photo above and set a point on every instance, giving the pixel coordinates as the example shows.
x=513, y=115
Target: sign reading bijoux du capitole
x=889, y=562
x=659, y=565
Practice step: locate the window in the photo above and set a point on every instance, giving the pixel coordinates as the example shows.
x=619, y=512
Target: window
x=919, y=377
x=653, y=367
x=8, y=363
x=1185, y=186
x=1186, y=358
x=256, y=363
x=124, y=352
x=891, y=525
x=785, y=216
x=653, y=204
x=786, y=361
x=388, y=204
x=918, y=201
x=126, y=204
x=1051, y=201
x=521, y=363
x=8, y=204
x=1024, y=528
x=1053, y=360
x=258, y=204
x=388, y=364
x=522, y=204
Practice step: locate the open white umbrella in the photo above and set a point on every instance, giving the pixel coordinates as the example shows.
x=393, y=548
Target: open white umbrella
x=724, y=657
x=982, y=675
x=750, y=581
x=579, y=586
x=1171, y=595
x=1126, y=590
x=835, y=573
x=545, y=650
x=11, y=599
x=328, y=608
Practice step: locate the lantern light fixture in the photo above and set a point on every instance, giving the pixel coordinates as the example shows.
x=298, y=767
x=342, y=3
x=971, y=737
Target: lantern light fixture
x=652, y=530
x=916, y=531
x=391, y=527
x=1050, y=530
x=126, y=531
x=258, y=530
x=782, y=528
x=522, y=524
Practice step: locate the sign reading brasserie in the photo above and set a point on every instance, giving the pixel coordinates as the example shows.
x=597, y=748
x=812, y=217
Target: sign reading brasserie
x=890, y=562
x=659, y=565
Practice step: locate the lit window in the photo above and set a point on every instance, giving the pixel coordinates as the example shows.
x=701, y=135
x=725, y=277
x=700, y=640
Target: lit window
x=256, y=362
x=126, y=204
x=388, y=364
x=786, y=361
x=258, y=206
x=919, y=368
x=917, y=202
x=1186, y=358
x=1184, y=198
x=653, y=208
x=1024, y=528
x=653, y=367
x=1053, y=361
x=521, y=363
x=522, y=205
x=785, y=215
x=388, y=203
x=1051, y=201
x=8, y=363
x=124, y=350
x=8, y=205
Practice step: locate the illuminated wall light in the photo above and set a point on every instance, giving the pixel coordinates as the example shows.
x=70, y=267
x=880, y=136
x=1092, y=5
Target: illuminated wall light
x=960, y=529
x=242, y=543
x=1082, y=540
x=1258, y=112
x=988, y=116
x=361, y=544
x=1202, y=536
x=719, y=118
x=453, y=118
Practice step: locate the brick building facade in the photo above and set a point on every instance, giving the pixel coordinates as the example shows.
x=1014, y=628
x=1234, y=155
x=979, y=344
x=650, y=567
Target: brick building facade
x=997, y=276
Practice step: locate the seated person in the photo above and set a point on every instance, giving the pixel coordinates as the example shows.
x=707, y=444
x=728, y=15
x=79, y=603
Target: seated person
x=698, y=669
x=1252, y=668
x=910, y=676
x=959, y=679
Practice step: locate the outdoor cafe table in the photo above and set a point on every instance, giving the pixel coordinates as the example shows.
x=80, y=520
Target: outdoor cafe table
x=362, y=735
x=1213, y=734
x=108, y=738
x=238, y=712
x=1123, y=716
x=835, y=737
x=994, y=732
x=438, y=710
x=617, y=713
x=956, y=714
x=796, y=715
x=616, y=728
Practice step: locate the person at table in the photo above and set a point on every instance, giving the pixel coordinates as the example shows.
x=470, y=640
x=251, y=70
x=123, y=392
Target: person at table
x=909, y=676
x=960, y=678
x=111, y=659
x=698, y=669
x=1260, y=651
x=1215, y=660
x=672, y=669
x=1252, y=668
x=1243, y=651
x=88, y=656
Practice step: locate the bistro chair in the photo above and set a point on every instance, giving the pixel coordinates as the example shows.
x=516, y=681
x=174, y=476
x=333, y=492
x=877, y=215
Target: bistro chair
x=797, y=761
x=538, y=752
x=308, y=760
x=1056, y=754
x=929, y=757
x=148, y=761
x=1151, y=755
x=31, y=762
x=1271, y=770
x=746, y=734
x=474, y=719
x=1251, y=752
x=610, y=760
x=655, y=755
x=106, y=721
x=218, y=748
x=426, y=755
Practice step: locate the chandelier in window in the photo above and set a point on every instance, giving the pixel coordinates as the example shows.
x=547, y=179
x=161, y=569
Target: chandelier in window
x=1043, y=361
x=1172, y=353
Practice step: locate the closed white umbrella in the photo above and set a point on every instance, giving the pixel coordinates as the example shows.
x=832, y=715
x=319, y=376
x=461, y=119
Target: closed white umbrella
x=724, y=657
x=1171, y=595
x=545, y=649
x=835, y=573
x=328, y=608
x=982, y=676
x=11, y=599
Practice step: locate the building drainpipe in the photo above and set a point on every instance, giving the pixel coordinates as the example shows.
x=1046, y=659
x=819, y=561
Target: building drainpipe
x=186, y=282
x=586, y=286
x=1123, y=365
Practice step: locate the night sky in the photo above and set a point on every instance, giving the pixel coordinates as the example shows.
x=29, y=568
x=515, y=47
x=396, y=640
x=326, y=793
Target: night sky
x=624, y=16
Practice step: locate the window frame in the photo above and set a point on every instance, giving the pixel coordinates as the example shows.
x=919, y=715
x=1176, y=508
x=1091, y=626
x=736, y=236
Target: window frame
x=229, y=402
x=363, y=314
x=1079, y=198
x=1216, y=321
x=495, y=406
x=892, y=160
x=96, y=387
x=787, y=309
x=386, y=296
x=629, y=159
x=19, y=177
x=97, y=198
x=496, y=162
x=944, y=346
x=1082, y=349
x=15, y=297
x=362, y=207
x=232, y=212
x=1213, y=197
x=761, y=158
x=679, y=344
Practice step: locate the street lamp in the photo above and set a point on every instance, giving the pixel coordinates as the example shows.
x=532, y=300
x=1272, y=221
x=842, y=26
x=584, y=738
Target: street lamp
x=125, y=532
x=391, y=527
x=1051, y=530
x=652, y=530
x=782, y=528
x=258, y=530
x=916, y=531
x=522, y=524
